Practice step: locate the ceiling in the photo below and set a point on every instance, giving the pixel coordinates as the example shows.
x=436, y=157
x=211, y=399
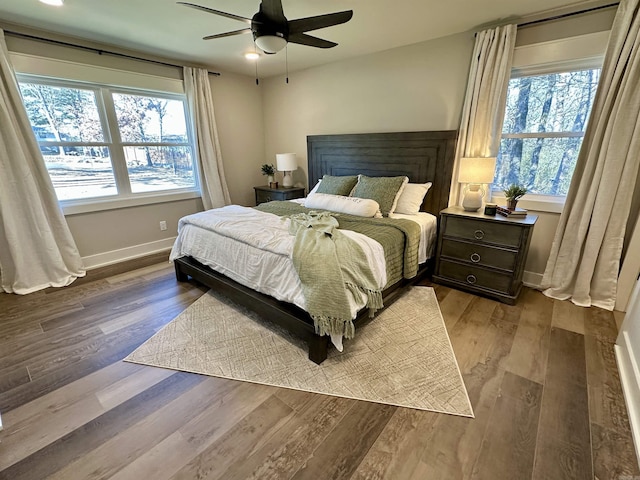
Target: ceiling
x=163, y=28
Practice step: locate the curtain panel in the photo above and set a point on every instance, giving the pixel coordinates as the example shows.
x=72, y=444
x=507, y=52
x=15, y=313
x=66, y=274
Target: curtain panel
x=485, y=99
x=585, y=254
x=36, y=247
x=212, y=180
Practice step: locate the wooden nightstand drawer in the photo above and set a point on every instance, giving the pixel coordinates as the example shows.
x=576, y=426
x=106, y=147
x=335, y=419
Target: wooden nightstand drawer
x=475, y=276
x=479, y=254
x=481, y=231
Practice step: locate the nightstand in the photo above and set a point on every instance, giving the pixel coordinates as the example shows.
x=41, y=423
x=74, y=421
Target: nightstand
x=267, y=194
x=483, y=254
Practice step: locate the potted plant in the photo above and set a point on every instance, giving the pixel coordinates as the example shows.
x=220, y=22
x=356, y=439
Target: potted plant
x=269, y=170
x=513, y=193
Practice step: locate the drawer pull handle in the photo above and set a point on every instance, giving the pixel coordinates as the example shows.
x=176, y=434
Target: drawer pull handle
x=268, y=197
x=479, y=234
x=471, y=279
x=475, y=257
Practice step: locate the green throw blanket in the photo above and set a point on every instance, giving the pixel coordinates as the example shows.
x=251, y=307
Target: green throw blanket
x=330, y=264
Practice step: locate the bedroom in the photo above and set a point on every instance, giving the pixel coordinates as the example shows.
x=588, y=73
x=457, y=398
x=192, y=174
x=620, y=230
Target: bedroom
x=342, y=97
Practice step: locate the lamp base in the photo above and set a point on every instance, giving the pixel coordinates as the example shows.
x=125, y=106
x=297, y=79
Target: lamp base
x=472, y=200
x=287, y=180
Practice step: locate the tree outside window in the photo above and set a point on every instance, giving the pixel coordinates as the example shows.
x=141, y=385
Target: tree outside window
x=545, y=120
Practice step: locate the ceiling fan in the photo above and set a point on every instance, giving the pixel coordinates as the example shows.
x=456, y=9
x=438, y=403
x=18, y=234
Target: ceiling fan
x=271, y=30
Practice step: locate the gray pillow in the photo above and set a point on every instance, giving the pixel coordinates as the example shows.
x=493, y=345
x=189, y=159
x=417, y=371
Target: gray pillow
x=383, y=190
x=337, y=185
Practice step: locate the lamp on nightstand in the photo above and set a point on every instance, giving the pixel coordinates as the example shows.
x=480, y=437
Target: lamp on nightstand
x=286, y=162
x=475, y=171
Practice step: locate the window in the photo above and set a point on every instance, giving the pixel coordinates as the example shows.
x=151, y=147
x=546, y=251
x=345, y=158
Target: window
x=100, y=142
x=545, y=120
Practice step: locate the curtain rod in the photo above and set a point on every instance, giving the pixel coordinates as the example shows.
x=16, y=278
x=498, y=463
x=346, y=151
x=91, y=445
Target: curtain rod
x=571, y=14
x=99, y=51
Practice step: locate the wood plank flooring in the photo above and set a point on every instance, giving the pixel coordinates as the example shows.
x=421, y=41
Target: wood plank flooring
x=541, y=376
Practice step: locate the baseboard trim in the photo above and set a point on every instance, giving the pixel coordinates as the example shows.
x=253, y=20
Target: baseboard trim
x=532, y=280
x=104, y=259
x=630, y=379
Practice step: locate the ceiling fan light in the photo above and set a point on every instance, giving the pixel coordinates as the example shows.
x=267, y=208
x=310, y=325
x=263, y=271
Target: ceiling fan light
x=270, y=43
x=55, y=3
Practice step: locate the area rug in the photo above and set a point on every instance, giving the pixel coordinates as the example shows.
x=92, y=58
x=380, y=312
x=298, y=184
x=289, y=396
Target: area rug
x=402, y=357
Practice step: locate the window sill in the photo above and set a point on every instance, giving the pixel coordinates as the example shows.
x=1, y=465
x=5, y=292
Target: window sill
x=537, y=203
x=75, y=207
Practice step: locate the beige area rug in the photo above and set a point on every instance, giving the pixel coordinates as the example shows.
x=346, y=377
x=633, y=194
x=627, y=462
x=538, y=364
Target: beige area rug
x=402, y=357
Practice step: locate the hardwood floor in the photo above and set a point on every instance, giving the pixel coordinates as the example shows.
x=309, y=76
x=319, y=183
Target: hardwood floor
x=541, y=376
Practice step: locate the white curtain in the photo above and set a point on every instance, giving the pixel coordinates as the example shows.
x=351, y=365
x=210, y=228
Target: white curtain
x=585, y=254
x=212, y=181
x=485, y=100
x=36, y=248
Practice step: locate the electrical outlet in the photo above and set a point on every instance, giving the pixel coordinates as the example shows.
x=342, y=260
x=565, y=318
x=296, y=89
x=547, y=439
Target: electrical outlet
x=163, y=225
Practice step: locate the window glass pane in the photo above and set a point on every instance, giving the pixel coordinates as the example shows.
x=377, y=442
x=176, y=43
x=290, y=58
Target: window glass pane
x=544, y=165
x=558, y=102
x=80, y=172
x=143, y=119
x=61, y=113
x=159, y=168
x=74, y=124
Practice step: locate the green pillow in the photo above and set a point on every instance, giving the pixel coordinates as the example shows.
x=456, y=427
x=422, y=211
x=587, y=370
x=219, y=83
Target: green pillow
x=337, y=185
x=383, y=190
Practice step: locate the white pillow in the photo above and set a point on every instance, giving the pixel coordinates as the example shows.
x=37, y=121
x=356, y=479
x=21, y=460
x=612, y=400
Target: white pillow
x=362, y=207
x=411, y=198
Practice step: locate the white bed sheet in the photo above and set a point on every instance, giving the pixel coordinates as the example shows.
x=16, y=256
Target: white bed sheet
x=428, y=232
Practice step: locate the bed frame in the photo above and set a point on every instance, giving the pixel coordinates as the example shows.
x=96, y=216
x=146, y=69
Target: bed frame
x=422, y=156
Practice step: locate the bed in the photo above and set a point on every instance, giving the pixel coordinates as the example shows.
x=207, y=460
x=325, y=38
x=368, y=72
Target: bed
x=421, y=156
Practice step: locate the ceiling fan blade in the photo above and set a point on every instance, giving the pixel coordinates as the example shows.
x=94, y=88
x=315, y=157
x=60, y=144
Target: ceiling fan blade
x=273, y=10
x=304, y=39
x=217, y=12
x=320, y=21
x=227, y=34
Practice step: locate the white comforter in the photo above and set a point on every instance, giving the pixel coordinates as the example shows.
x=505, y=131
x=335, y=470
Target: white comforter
x=254, y=248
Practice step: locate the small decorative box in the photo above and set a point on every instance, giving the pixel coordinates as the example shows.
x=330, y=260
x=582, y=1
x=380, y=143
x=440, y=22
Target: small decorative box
x=490, y=209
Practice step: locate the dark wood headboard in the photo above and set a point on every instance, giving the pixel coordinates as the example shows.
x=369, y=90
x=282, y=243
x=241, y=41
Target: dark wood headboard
x=421, y=156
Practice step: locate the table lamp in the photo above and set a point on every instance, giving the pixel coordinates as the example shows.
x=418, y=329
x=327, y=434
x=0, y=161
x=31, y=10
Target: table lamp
x=286, y=162
x=475, y=171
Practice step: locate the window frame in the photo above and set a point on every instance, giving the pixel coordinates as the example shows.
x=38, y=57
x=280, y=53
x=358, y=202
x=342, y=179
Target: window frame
x=113, y=142
x=581, y=52
x=538, y=201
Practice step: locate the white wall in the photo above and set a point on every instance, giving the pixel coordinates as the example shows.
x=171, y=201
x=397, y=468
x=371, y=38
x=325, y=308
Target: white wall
x=628, y=357
x=419, y=87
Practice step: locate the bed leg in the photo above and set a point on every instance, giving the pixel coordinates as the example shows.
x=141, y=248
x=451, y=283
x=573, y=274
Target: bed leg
x=180, y=275
x=318, y=346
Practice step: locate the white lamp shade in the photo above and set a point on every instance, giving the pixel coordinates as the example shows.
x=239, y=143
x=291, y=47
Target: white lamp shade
x=270, y=43
x=477, y=170
x=286, y=162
